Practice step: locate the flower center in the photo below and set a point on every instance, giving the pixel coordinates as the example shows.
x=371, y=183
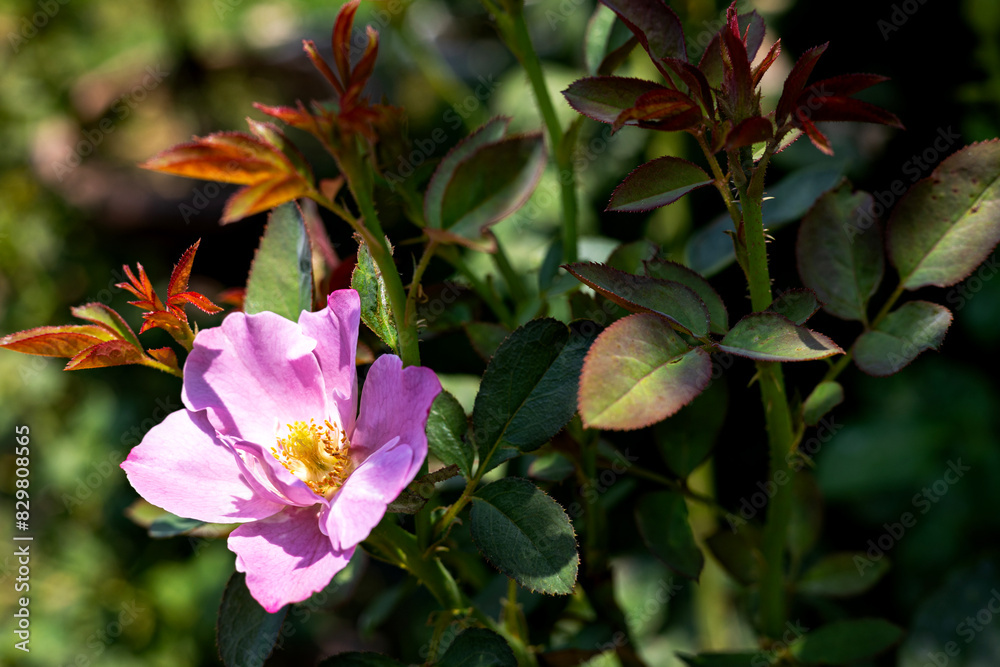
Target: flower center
x=315, y=454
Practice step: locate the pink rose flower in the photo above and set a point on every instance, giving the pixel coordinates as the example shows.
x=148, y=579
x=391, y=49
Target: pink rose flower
x=269, y=439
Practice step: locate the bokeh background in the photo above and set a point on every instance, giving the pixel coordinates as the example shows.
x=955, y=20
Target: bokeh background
x=90, y=88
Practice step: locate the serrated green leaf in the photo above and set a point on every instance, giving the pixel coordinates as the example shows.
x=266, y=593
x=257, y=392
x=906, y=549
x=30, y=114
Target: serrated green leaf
x=491, y=183
x=376, y=312
x=280, y=278
x=687, y=438
x=446, y=428
x=477, y=647
x=526, y=535
x=772, y=337
x=246, y=634
x=822, y=399
x=528, y=392
x=492, y=130
x=839, y=252
x=662, y=519
x=901, y=337
x=645, y=294
x=639, y=372
x=667, y=270
x=947, y=224
x=838, y=575
x=845, y=641
x=657, y=183
x=798, y=305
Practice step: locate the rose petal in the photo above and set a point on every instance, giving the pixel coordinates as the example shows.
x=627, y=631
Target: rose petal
x=255, y=373
x=286, y=558
x=183, y=468
x=361, y=502
x=395, y=401
x=335, y=329
x=266, y=475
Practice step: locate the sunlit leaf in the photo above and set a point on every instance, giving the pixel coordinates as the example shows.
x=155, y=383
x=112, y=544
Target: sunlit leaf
x=103, y=316
x=825, y=397
x=773, y=337
x=56, y=341
x=376, y=311
x=281, y=274
x=667, y=270
x=657, y=183
x=110, y=353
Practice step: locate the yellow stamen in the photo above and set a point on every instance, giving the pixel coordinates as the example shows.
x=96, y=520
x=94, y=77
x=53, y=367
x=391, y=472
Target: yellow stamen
x=315, y=454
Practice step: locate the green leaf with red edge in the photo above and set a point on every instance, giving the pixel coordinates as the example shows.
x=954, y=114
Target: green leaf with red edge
x=109, y=353
x=695, y=81
x=665, y=110
x=655, y=25
x=263, y=197
x=56, y=341
x=493, y=130
x=947, y=224
x=773, y=337
x=644, y=294
x=639, y=372
x=604, y=98
x=796, y=82
x=749, y=132
x=226, y=157
x=104, y=316
x=667, y=270
x=839, y=251
x=798, y=305
x=492, y=183
x=657, y=183
x=901, y=337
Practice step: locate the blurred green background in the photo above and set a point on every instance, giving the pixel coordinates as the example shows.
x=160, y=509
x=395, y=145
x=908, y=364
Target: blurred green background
x=88, y=89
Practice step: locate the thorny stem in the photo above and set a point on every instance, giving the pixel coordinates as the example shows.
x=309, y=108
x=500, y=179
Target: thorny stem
x=418, y=274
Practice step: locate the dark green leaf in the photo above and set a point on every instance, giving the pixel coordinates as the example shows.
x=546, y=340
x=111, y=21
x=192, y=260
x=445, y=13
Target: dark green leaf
x=419, y=491
x=667, y=270
x=772, y=337
x=840, y=253
x=169, y=525
x=798, y=305
x=486, y=337
x=526, y=535
x=662, y=518
x=528, y=392
x=846, y=641
x=667, y=298
x=736, y=553
x=491, y=183
x=492, y=131
x=639, y=372
x=246, y=634
x=281, y=275
x=655, y=25
x=446, y=428
x=360, y=659
x=687, y=438
x=838, y=575
x=825, y=397
x=912, y=328
x=376, y=312
x=657, y=183
x=948, y=223
x=477, y=647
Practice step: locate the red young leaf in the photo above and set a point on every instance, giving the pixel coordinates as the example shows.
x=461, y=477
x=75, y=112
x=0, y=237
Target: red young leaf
x=142, y=288
x=199, y=301
x=309, y=47
x=363, y=71
x=765, y=64
x=342, y=39
x=749, y=132
x=165, y=320
x=737, y=82
x=845, y=84
x=849, y=109
x=262, y=197
x=661, y=110
x=695, y=81
x=603, y=98
x=165, y=355
x=58, y=341
x=181, y=274
x=234, y=297
x=110, y=353
x=655, y=25
x=796, y=83
x=226, y=157
x=818, y=139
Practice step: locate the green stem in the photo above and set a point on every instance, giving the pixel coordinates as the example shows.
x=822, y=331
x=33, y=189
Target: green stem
x=518, y=291
x=514, y=31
